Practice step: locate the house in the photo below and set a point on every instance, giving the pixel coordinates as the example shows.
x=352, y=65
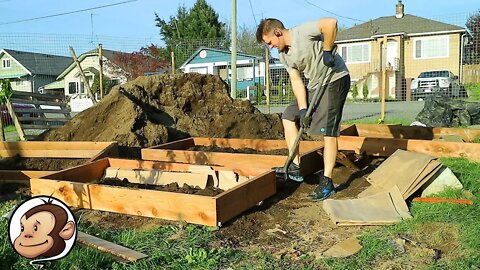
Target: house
x=405, y=44
x=28, y=71
x=250, y=68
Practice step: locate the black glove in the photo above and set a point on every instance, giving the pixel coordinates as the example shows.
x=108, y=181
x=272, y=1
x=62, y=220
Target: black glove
x=328, y=59
x=304, y=121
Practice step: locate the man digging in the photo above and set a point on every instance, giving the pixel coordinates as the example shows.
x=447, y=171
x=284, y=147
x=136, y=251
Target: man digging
x=301, y=49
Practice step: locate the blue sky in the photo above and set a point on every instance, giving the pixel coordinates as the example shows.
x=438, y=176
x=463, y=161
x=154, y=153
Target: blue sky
x=136, y=19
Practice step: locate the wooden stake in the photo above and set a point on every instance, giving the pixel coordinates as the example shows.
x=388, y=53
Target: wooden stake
x=172, y=55
x=100, y=60
x=20, y=132
x=267, y=77
x=384, y=77
x=75, y=59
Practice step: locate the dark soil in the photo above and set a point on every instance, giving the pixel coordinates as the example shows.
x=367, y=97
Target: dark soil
x=279, y=152
x=172, y=187
x=152, y=110
x=39, y=164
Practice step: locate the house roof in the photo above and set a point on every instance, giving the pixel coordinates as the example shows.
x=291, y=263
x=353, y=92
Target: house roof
x=39, y=63
x=408, y=24
x=109, y=54
x=219, y=51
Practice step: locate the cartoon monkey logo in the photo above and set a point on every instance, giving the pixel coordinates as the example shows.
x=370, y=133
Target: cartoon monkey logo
x=42, y=227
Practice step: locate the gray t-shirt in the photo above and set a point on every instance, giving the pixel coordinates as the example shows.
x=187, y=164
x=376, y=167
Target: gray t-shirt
x=305, y=55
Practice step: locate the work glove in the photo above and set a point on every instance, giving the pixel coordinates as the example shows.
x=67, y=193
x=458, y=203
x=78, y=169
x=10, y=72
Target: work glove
x=304, y=121
x=328, y=59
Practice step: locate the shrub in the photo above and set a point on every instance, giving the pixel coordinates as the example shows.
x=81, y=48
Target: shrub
x=355, y=92
x=365, y=90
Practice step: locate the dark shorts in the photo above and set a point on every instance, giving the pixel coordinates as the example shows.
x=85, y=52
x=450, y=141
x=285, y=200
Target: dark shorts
x=328, y=113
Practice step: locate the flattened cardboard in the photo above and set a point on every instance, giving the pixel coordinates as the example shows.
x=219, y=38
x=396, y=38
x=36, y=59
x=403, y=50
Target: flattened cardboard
x=446, y=178
x=380, y=209
x=345, y=248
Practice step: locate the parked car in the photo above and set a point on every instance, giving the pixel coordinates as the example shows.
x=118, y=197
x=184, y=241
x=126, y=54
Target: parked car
x=437, y=81
x=7, y=120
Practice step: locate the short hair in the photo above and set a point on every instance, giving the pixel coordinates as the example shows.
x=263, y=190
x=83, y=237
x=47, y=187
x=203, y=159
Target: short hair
x=266, y=26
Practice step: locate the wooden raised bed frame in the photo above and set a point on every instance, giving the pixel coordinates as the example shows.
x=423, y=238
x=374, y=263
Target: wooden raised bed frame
x=72, y=187
x=311, y=159
x=44, y=149
x=249, y=164
x=407, y=132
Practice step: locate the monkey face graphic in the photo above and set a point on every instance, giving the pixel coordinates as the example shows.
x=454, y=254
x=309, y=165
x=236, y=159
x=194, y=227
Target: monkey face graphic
x=44, y=230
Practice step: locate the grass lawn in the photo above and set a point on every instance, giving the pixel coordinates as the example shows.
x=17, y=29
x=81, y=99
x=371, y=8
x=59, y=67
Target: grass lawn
x=452, y=228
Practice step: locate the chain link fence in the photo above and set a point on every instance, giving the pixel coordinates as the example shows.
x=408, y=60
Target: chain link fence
x=402, y=59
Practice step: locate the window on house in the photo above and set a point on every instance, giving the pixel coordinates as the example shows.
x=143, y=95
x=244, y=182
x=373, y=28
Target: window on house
x=19, y=82
x=6, y=63
x=75, y=87
x=431, y=47
x=201, y=70
x=356, y=53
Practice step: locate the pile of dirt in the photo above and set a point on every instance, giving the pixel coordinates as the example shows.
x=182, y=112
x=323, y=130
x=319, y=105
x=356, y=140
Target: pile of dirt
x=152, y=110
x=172, y=187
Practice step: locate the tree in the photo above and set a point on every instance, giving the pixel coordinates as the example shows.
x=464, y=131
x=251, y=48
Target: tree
x=247, y=42
x=355, y=92
x=472, y=51
x=147, y=59
x=200, y=23
x=365, y=90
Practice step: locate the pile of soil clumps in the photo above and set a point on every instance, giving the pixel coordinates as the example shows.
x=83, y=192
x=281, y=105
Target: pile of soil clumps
x=278, y=152
x=172, y=187
x=152, y=110
x=39, y=164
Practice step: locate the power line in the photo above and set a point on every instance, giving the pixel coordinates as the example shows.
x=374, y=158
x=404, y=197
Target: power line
x=68, y=13
x=253, y=14
x=328, y=11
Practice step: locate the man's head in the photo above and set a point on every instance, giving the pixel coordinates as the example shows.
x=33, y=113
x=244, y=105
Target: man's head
x=272, y=32
x=44, y=230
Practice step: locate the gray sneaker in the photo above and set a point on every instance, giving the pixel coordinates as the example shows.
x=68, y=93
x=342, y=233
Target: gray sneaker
x=324, y=190
x=293, y=172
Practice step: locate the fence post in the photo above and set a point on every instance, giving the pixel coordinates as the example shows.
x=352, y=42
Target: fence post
x=384, y=78
x=100, y=59
x=267, y=77
x=172, y=56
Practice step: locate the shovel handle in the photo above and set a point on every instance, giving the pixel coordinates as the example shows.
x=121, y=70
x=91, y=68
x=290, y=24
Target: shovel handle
x=435, y=200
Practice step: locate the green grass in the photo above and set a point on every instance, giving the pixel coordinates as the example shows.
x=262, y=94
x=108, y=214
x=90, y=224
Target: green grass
x=387, y=120
x=453, y=228
x=10, y=128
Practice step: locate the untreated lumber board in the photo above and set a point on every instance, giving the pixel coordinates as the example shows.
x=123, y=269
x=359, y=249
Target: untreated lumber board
x=387, y=146
x=43, y=119
x=109, y=247
x=72, y=186
x=413, y=132
x=53, y=149
x=248, y=194
x=349, y=130
x=37, y=102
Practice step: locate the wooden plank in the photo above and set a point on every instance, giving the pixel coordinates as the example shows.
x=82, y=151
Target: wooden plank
x=38, y=102
x=414, y=132
x=233, y=202
x=43, y=119
x=109, y=247
x=386, y=146
x=41, y=126
x=59, y=111
x=54, y=145
x=18, y=127
x=22, y=95
x=141, y=202
x=66, y=153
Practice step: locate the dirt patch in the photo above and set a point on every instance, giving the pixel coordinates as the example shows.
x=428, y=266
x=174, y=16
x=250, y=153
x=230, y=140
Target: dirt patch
x=153, y=110
x=39, y=164
x=290, y=224
x=172, y=187
x=279, y=152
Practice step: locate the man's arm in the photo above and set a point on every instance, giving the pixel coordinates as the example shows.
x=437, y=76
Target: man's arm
x=298, y=88
x=328, y=27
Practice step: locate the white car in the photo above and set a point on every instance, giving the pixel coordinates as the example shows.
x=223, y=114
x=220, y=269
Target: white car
x=436, y=81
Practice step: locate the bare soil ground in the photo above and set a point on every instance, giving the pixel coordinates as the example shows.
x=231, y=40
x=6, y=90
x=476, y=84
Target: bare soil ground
x=157, y=109
x=39, y=164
